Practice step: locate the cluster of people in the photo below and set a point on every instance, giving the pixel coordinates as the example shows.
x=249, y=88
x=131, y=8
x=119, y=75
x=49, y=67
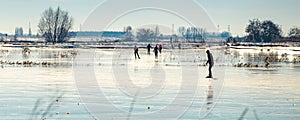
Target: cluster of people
x=157, y=49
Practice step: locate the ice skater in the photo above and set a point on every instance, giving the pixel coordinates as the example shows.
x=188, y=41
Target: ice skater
x=136, y=52
x=148, y=49
x=210, y=61
x=267, y=62
x=155, y=50
x=159, y=48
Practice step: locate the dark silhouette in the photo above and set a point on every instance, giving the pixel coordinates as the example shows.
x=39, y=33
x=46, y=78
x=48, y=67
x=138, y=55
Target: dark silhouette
x=210, y=61
x=267, y=62
x=136, y=52
x=156, y=51
x=179, y=46
x=54, y=25
x=148, y=49
x=263, y=31
x=160, y=48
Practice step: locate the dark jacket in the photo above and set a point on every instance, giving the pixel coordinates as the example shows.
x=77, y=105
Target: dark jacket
x=210, y=59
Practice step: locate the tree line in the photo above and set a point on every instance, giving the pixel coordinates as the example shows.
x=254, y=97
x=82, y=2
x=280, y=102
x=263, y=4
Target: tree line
x=55, y=25
x=190, y=34
x=268, y=31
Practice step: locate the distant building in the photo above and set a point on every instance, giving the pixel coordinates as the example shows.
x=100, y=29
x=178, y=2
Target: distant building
x=3, y=35
x=18, y=31
x=97, y=34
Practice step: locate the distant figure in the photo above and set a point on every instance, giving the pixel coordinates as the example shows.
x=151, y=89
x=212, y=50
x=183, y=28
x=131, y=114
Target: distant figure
x=136, y=52
x=26, y=50
x=267, y=62
x=160, y=48
x=155, y=50
x=179, y=46
x=210, y=61
x=148, y=49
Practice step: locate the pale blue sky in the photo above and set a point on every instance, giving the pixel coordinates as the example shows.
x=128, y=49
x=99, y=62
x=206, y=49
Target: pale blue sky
x=236, y=13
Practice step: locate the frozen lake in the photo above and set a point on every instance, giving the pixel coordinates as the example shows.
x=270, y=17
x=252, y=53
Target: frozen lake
x=86, y=84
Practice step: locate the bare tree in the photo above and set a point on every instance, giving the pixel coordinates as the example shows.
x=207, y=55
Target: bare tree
x=193, y=33
x=145, y=34
x=181, y=31
x=265, y=31
x=54, y=26
x=294, y=32
x=128, y=33
x=188, y=34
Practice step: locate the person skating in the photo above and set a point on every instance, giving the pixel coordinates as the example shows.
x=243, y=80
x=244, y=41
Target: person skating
x=136, y=52
x=160, y=48
x=210, y=61
x=155, y=50
x=148, y=49
x=267, y=62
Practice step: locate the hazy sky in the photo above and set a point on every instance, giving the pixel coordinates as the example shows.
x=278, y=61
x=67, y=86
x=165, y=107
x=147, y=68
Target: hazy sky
x=236, y=13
